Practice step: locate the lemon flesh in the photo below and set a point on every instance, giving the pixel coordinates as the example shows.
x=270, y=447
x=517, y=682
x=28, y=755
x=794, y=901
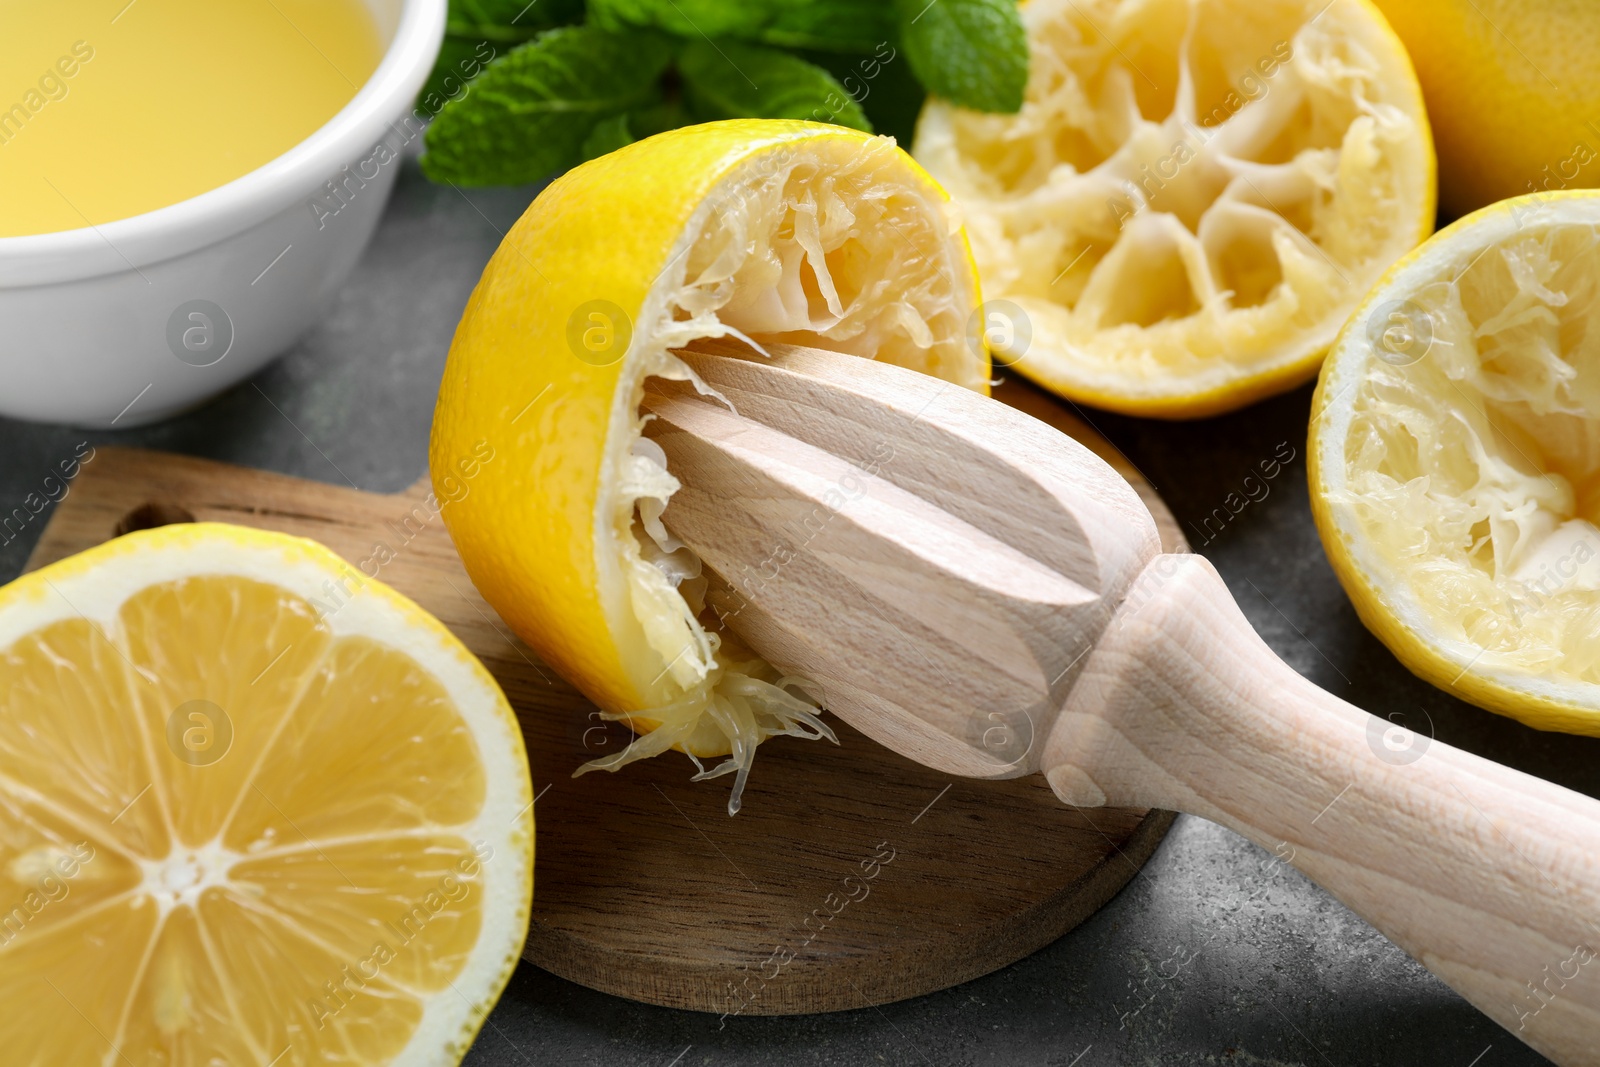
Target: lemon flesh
x=1456, y=460
x=765, y=231
x=254, y=808
x=1194, y=195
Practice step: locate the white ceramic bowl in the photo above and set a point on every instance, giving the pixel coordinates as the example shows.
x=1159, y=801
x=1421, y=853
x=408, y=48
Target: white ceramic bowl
x=135, y=320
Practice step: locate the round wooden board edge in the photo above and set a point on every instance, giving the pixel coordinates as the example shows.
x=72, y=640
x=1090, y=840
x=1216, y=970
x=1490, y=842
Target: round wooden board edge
x=854, y=984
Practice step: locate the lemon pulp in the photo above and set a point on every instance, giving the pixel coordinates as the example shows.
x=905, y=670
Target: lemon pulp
x=236, y=829
x=1472, y=456
x=109, y=109
x=1194, y=196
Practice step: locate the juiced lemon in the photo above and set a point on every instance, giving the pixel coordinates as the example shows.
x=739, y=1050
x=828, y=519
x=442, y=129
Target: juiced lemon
x=255, y=808
x=1193, y=197
x=1455, y=460
x=763, y=230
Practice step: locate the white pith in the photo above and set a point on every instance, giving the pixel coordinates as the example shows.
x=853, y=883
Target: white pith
x=823, y=243
x=186, y=873
x=1465, y=483
x=449, y=1018
x=1195, y=192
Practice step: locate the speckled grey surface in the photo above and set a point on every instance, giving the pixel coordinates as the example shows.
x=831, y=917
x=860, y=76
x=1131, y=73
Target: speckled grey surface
x=1214, y=954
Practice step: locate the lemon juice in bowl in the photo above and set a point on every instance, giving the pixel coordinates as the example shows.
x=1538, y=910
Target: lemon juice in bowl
x=109, y=109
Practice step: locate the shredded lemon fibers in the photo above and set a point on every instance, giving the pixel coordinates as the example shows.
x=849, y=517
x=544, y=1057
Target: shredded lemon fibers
x=825, y=246
x=1192, y=191
x=1476, y=468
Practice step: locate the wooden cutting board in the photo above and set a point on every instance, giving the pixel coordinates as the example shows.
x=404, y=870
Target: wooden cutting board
x=851, y=877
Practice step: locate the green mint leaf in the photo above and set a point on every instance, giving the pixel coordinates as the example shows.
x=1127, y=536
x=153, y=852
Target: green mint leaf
x=460, y=60
x=528, y=114
x=685, y=18
x=476, y=31
x=826, y=25
x=831, y=25
x=608, y=135
x=728, y=79
x=971, y=52
x=510, y=21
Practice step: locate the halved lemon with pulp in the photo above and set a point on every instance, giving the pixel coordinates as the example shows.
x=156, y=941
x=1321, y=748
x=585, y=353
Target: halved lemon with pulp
x=766, y=231
x=1193, y=197
x=1455, y=460
x=255, y=808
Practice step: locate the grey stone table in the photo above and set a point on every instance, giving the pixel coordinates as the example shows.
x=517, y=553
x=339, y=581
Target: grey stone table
x=1274, y=972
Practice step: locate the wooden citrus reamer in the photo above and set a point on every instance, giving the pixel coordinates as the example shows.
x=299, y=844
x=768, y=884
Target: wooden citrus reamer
x=983, y=594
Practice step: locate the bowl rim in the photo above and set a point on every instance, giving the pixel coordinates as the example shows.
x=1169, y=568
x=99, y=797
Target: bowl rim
x=217, y=214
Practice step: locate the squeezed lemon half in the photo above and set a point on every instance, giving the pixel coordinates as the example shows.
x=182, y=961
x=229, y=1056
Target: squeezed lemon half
x=1193, y=197
x=762, y=230
x=1455, y=460
x=255, y=808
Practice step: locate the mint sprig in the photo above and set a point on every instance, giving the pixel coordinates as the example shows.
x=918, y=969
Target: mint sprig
x=511, y=21
x=825, y=25
x=517, y=100
x=477, y=31
x=529, y=114
x=607, y=136
x=971, y=52
x=737, y=80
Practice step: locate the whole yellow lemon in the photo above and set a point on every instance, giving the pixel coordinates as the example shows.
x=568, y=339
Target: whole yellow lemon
x=1512, y=90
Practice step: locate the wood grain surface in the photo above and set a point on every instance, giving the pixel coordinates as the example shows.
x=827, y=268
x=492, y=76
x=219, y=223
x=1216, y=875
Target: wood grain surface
x=1487, y=876
x=967, y=561
x=851, y=877
x=948, y=561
